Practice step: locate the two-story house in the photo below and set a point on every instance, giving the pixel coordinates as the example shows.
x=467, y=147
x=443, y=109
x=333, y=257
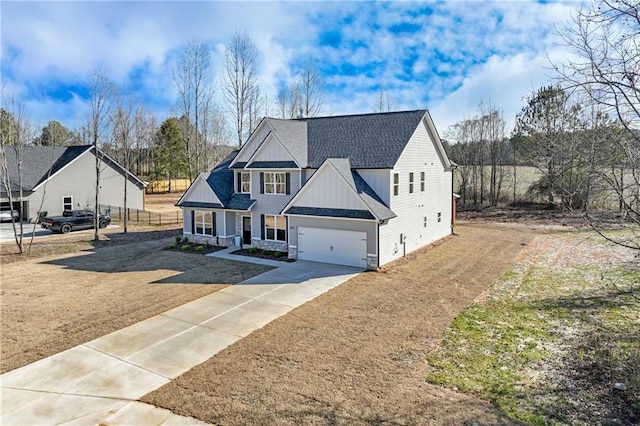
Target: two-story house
x=358, y=190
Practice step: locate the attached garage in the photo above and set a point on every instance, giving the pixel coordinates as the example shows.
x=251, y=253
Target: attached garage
x=333, y=246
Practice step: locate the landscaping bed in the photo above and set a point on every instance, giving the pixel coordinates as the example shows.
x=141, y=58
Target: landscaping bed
x=263, y=254
x=185, y=246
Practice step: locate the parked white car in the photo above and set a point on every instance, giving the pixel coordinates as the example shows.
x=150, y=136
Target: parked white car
x=6, y=215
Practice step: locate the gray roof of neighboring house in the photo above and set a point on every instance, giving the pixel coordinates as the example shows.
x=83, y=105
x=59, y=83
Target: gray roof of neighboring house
x=38, y=163
x=325, y=212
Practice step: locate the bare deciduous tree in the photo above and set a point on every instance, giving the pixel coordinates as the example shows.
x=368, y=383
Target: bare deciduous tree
x=604, y=37
x=240, y=84
x=193, y=81
x=384, y=102
x=101, y=92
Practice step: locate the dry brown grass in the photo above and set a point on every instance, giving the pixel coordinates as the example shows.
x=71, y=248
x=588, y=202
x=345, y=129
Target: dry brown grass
x=50, y=304
x=355, y=355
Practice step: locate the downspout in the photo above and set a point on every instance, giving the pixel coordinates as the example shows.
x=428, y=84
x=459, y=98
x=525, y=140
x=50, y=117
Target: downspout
x=453, y=212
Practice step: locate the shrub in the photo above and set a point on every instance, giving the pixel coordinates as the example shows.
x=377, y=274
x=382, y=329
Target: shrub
x=200, y=248
x=265, y=252
x=178, y=239
x=252, y=250
x=277, y=254
x=184, y=240
x=185, y=247
x=171, y=246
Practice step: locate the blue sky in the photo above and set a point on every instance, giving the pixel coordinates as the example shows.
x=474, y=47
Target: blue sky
x=443, y=56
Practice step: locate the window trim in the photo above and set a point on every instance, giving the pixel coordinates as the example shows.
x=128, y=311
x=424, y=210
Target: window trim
x=396, y=184
x=275, y=228
x=242, y=182
x=70, y=203
x=422, y=181
x=411, y=177
x=197, y=226
x=275, y=185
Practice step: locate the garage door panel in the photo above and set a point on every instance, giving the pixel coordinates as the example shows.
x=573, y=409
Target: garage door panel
x=333, y=246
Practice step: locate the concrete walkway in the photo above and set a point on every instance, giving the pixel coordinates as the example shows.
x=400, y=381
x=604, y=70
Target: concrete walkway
x=99, y=382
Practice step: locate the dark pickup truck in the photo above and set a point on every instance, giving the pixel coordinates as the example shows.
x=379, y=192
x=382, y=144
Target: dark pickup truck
x=72, y=220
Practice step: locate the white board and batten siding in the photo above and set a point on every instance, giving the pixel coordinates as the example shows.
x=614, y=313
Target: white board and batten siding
x=333, y=246
x=253, y=143
x=329, y=189
x=78, y=180
x=420, y=155
x=271, y=150
x=378, y=180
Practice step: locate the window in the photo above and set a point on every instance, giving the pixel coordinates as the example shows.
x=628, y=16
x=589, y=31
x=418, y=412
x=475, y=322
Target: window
x=67, y=203
x=203, y=222
x=421, y=181
x=439, y=217
x=275, y=228
x=275, y=183
x=425, y=221
x=410, y=182
x=245, y=183
x=396, y=184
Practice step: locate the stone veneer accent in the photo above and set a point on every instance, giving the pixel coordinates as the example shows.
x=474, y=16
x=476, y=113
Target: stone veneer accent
x=212, y=240
x=372, y=262
x=293, y=253
x=280, y=246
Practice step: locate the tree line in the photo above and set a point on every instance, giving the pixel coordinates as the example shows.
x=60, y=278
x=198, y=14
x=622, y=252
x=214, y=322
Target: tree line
x=581, y=134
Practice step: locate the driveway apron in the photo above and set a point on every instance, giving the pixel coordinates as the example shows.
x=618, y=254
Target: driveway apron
x=100, y=381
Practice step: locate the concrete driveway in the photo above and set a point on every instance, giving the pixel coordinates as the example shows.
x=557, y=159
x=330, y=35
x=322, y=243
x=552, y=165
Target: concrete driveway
x=99, y=382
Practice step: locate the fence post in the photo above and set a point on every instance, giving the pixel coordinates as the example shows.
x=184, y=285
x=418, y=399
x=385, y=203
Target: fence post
x=160, y=219
x=137, y=215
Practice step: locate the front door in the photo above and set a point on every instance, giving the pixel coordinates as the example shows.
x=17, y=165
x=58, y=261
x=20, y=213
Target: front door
x=246, y=230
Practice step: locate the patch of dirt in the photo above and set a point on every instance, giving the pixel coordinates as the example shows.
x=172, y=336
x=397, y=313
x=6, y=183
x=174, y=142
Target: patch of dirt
x=82, y=240
x=53, y=303
x=536, y=215
x=356, y=354
x=194, y=248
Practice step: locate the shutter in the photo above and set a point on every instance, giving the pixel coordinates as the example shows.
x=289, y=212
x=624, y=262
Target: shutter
x=262, y=227
x=239, y=182
x=213, y=219
x=193, y=222
x=287, y=180
x=262, y=184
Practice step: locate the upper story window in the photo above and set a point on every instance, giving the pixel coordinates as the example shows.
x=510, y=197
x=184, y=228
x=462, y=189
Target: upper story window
x=274, y=183
x=396, y=184
x=422, y=181
x=244, y=182
x=410, y=182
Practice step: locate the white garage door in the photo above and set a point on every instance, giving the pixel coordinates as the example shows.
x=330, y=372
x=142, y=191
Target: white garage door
x=333, y=246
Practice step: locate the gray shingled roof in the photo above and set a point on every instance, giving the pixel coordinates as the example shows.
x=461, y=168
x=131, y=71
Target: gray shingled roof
x=220, y=180
x=38, y=163
x=368, y=141
x=325, y=212
x=272, y=165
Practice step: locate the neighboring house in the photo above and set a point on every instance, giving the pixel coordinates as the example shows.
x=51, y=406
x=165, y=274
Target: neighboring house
x=55, y=179
x=358, y=190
